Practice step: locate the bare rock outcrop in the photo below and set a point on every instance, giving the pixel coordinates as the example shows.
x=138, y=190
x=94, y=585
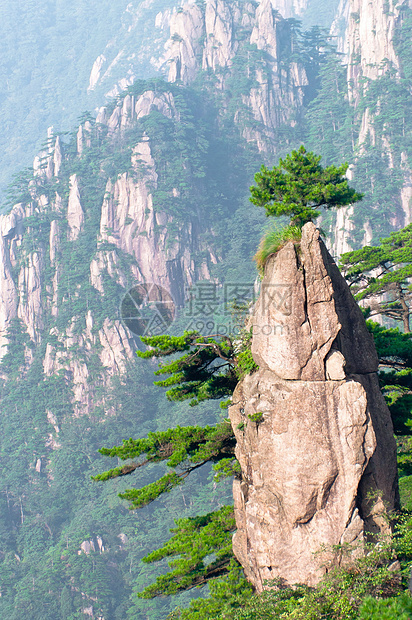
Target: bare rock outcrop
x=371, y=40
x=290, y=8
x=75, y=213
x=186, y=28
x=314, y=435
x=367, y=35
x=207, y=40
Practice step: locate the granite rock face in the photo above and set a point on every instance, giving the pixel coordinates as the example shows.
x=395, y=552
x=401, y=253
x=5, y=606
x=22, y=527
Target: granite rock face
x=31, y=284
x=366, y=33
x=208, y=40
x=319, y=467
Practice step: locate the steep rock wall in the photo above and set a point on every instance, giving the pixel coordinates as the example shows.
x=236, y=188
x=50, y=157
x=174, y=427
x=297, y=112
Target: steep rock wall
x=314, y=435
x=211, y=40
x=370, y=37
x=132, y=242
x=367, y=34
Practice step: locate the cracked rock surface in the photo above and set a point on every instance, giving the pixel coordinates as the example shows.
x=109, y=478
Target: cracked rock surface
x=319, y=467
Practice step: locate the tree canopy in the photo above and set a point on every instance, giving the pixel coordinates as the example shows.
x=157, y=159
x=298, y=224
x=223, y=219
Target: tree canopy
x=300, y=185
x=383, y=270
x=394, y=350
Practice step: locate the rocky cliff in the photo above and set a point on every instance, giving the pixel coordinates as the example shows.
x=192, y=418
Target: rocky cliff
x=373, y=40
x=370, y=36
x=207, y=38
x=215, y=40
x=314, y=435
x=125, y=225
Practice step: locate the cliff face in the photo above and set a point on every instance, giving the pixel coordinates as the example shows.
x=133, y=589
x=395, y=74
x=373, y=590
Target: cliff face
x=187, y=40
x=370, y=36
x=256, y=35
x=127, y=224
x=37, y=238
x=314, y=435
x=377, y=75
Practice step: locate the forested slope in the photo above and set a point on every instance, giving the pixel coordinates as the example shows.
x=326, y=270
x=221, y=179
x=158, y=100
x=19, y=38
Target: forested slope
x=154, y=187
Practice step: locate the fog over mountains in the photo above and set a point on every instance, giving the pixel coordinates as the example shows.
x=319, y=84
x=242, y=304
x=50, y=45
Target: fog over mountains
x=146, y=122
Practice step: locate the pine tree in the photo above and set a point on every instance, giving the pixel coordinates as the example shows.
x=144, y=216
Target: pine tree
x=299, y=186
x=381, y=275
x=66, y=604
x=395, y=373
x=206, y=368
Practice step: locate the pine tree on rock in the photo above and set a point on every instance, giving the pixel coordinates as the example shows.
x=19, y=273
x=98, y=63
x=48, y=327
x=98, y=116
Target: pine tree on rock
x=300, y=185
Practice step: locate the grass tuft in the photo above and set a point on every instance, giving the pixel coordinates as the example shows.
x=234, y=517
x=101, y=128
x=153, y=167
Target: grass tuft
x=273, y=241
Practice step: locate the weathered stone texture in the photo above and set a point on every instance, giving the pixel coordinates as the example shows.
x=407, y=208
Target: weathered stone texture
x=325, y=442
x=304, y=306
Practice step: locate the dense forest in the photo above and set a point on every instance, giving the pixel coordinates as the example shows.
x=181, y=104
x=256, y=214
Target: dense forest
x=154, y=186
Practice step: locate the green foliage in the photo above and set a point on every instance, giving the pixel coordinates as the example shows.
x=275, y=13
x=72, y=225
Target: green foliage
x=378, y=175
x=299, y=185
x=226, y=592
x=182, y=147
x=245, y=364
x=226, y=468
x=397, y=608
x=186, y=447
x=339, y=596
x=405, y=481
x=329, y=117
x=384, y=269
x=401, y=40
x=394, y=350
x=256, y=417
x=206, y=371
x=18, y=190
x=202, y=547
x=314, y=53
x=273, y=241
x=14, y=360
x=66, y=603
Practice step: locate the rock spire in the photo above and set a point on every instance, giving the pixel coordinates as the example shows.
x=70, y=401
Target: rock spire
x=317, y=455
